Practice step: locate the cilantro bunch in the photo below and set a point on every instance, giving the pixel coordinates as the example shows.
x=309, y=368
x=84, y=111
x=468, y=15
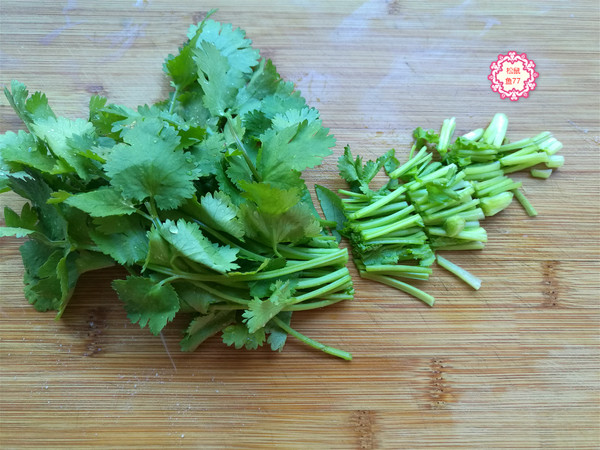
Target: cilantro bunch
x=433, y=202
x=199, y=197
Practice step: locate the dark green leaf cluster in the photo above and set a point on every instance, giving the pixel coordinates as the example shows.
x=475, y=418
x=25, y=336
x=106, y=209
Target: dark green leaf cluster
x=199, y=197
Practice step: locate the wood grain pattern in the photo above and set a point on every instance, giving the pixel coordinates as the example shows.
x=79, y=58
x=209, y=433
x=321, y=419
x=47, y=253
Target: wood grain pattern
x=515, y=364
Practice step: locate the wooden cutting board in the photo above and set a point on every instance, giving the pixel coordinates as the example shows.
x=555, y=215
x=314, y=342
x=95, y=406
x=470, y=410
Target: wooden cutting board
x=515, y=364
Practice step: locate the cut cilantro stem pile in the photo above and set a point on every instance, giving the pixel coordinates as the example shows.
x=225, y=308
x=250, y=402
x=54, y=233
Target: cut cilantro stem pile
x=199, y=197
x=434, y=201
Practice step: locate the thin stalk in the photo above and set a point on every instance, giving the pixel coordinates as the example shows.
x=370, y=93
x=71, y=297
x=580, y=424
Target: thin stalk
x=311, y=342
x=312, y=282
x=527, y=206
x=380, y=231
x=315, y=305
x=331, y=287
x=242, y=148
x=400, y=285
x=461, y=273
x=378, y=204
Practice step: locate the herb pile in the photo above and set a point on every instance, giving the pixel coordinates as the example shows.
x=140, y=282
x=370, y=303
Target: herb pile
x=434, y=201
x=199, y=197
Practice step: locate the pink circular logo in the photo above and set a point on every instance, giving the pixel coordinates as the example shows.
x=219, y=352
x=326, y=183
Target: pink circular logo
x=513, y=76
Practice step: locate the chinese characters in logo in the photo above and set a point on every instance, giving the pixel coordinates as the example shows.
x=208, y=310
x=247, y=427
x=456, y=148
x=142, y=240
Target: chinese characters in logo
x=513, y=76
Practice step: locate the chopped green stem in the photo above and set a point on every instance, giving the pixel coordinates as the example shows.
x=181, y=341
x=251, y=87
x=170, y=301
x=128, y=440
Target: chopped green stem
x=415, y=219
x=493, y=205
x=472, y=245
x=485, y=175
x=477, y=234
x=315, y=305
x=340, y=284
x=397, y=268
x=311, y=342
x=304, y=253
x=378, y=204
x=446, y=132
x=495, y=133
x=312, y=282
x=505, y=184
x=440, y=173
x=531, y=212
x=422, y=156
x=432, y=219
x=555, y=161
x=461, y=273
x=415, y=240
x=385, y=210
x=354, y=194
x=474, y=135
x=541, y=173
x=405, y=287
x=525, y=142
x=386, y=220
x=530, y=159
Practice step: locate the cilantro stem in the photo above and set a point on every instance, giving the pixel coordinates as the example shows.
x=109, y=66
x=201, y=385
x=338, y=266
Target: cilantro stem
x=378, y=204
x=318, y=304
x=231, y=243
x=172, y=104
x=311, y=342
x=495, y=133
x=331, y=287
x=312, y=282
x=527, y=206
x=414, y=219
x=339, y=257
x=409, y=289
x=242, y=148
x=219, y=293
x=461, y=273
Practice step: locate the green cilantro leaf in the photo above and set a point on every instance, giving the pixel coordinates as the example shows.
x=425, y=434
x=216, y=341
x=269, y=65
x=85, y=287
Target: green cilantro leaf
x=189, y=241
x=284, y=151
x=259, y=311
x=218, y=212
x=269, y=199
x=278, y=337
x=57, y=132
x=219, y=80
x=148, y=166
x=22, y=148
x=333, y=209
x=28, y=109
x=207, y=154
x=296, y=224
x=147, y=302
x=239, y=336
x=105, y=201
x=205, y=326
x=15, y=231
x=128, y=247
